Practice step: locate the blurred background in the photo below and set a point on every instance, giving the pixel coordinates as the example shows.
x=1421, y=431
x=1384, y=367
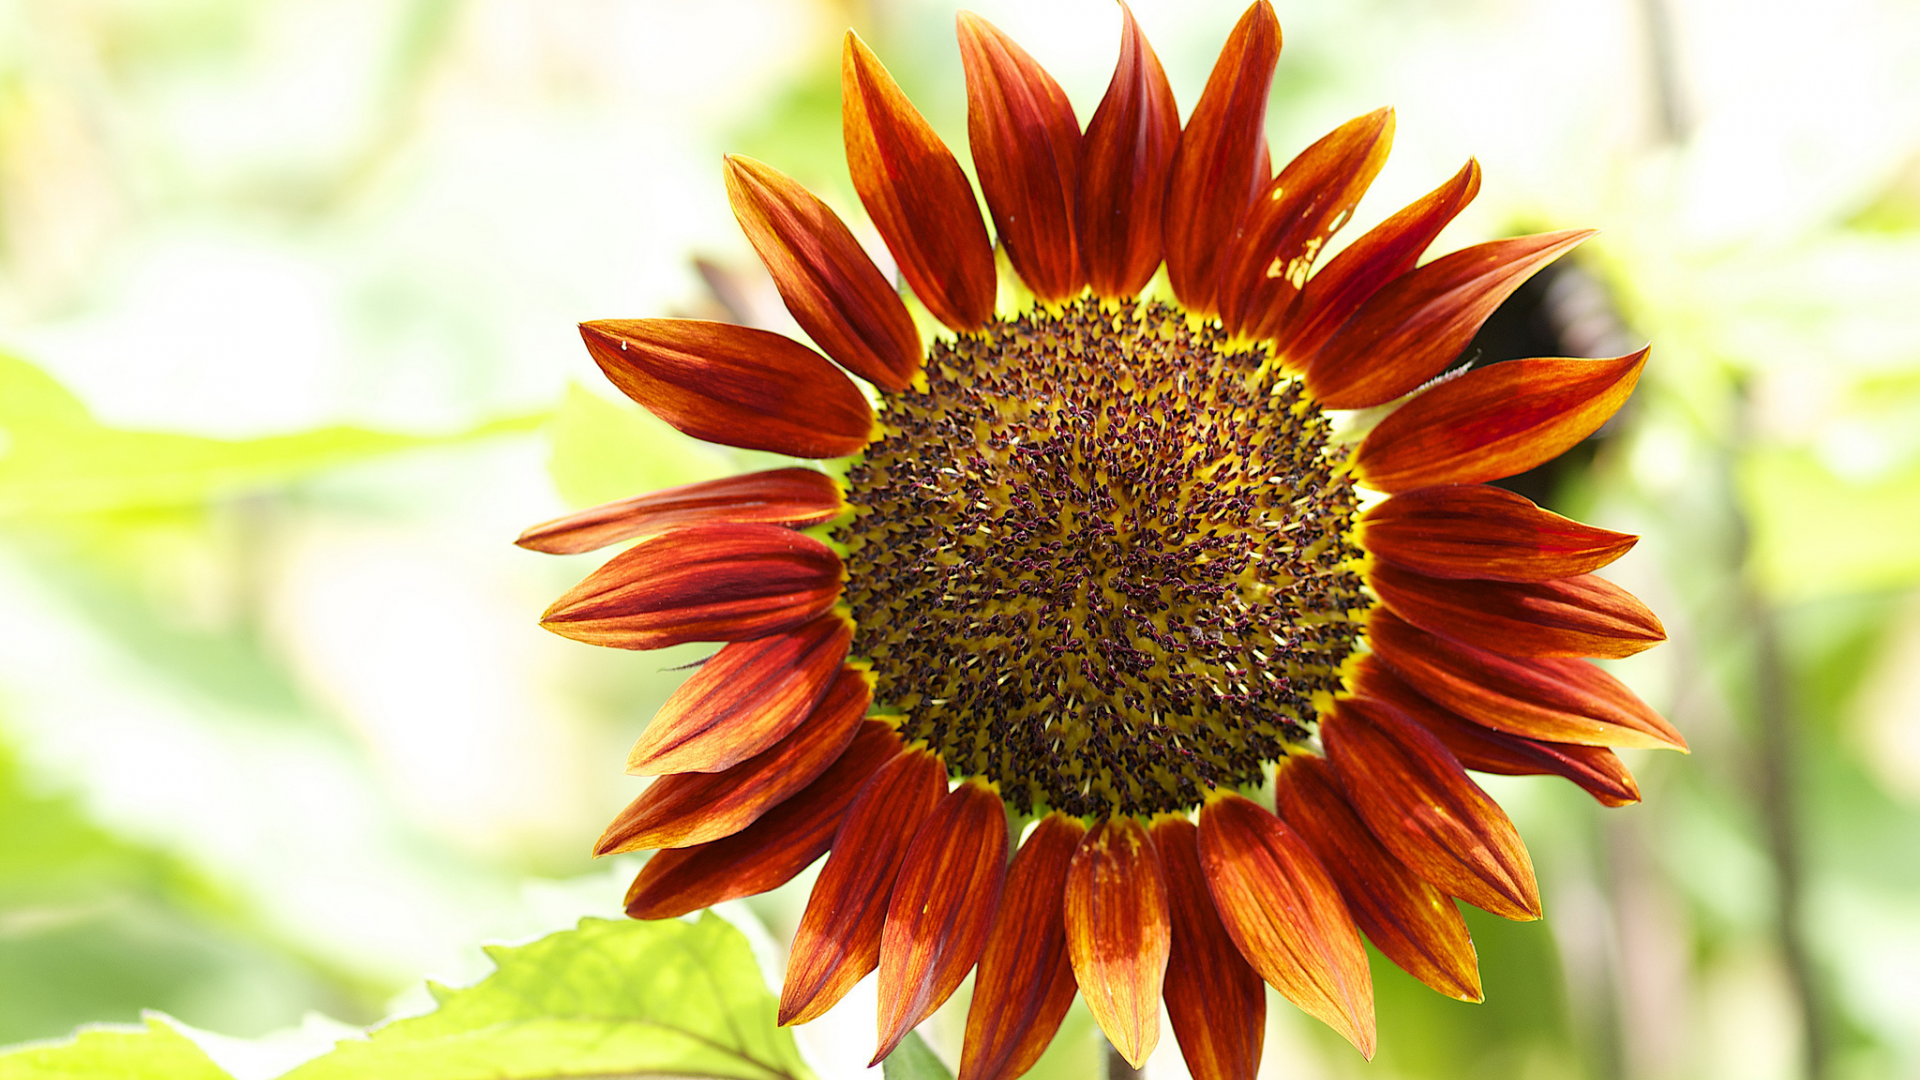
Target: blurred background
x=287, y=294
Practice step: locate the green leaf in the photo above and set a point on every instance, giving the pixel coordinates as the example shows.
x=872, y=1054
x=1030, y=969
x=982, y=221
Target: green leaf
x=611, y=998
x=605, y=450
x=155, y=1052
x=56, y=459
x=1816, y=534
x=913, y=1059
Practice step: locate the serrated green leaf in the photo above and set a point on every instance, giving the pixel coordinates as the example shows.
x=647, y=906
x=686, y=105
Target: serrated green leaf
x=55, y=459
x=913, y=1059
x=611, y=998
x=155, y=1052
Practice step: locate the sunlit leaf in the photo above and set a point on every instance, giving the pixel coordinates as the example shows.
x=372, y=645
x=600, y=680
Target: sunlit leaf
x=607, y=999
x=1817, y=534
x=606, y=450
x=56, y=459
x=155, y=1052
x=913, y=1059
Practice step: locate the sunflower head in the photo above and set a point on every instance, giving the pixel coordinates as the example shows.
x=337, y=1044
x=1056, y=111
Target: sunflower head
x=1190, y=556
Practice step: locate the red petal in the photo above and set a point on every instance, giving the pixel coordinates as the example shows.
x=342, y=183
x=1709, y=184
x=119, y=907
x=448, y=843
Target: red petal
x=834, y=291
x=838, y=941
x=745, y=699
x=766, y=854
x=1220, y=164
x=1577, y=616
x=1293, y=217
x=775, y=497
x=685, y=809
x=1557, y=700
x=1475, y=531
x=1384, y=253
x=1026, y=152
x=733, y=385
x=700, y=583
x=1214, y=999
x=1119, y=934
x=1424, y=808
x=1595, y=768
x=1286, y=916
x=1495, y=421
x=941, y=908
x=915, y=193
x=1405, y=917
x=1124, y=161
x=1416, y=325
x=1025, y=982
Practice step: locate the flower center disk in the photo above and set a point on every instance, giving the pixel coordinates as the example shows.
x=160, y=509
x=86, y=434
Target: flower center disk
x=1103, y=561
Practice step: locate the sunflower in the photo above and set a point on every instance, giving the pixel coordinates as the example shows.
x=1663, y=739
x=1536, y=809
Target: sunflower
x=1115, y=559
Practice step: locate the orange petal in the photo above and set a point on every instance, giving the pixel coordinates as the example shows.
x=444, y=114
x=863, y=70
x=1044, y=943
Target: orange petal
x=1495, y=421
x=685, y=809
x=942, y=906
x=1215, y=1001
x=838, y=941
x=718, y=582
x=1286, y=916
x=1025, y=982
x=1477, y=531
x=915, y=193
x=768, y=853
x=834, y=291
x=774, y=497
x=1119, y=934
x=1413, y=923
x=1219, y=163
x=733, y=385
x=1384, y=253
x=745, y=699
x=1026, y=152
x=1577, y=616
x=1556, y=700
x=1595, y=768
x=1124, y=160
x=1293, y=217
x=1425, y=809
x=1420, y=322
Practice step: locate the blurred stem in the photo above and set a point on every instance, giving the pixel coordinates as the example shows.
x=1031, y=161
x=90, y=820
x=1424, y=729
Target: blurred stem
x=1119, y=1068
x=1777, y=781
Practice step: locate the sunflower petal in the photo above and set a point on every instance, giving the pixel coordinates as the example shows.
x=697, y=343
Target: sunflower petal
x=1543, y=698
x=1025, y=982
x=1292, y=218
x=838, y=941
x=1420, y=322
x=942, y=906
x=718, y=582
x=768, y=853
x=832, y=288
x=1495, y=421
x=743, y=700
x=791, y=497
x=1595, y=768
x=1220, y=161
x=1124, y=160
x=733, y=385
x=685, y=809
x=1386, y=251
x=1215, y=1001
x=1026, y=152
x=1406, y=918
x=1286, y=915
x=1118, y=933
x=1576, y=616
x=915, y=193
x=1423, y=807
x=1477, y=531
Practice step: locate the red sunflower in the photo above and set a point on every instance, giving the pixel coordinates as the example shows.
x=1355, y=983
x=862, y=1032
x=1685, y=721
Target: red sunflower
x=1100, y=561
